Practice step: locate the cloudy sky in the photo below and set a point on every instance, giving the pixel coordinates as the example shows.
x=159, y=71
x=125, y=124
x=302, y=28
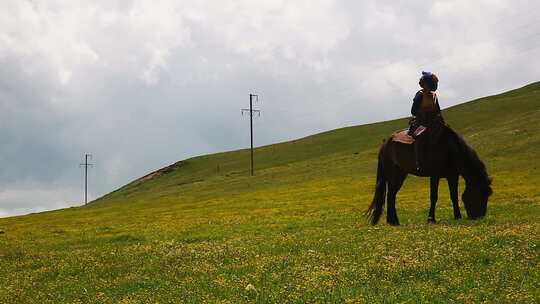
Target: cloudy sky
x=142, y=84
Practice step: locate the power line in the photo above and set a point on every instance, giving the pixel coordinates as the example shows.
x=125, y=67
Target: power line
x=86, y=165
x=251, y=111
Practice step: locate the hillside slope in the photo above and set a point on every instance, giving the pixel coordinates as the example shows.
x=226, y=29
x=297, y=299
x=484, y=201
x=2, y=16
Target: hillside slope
x=496, y=126
x=202, y=230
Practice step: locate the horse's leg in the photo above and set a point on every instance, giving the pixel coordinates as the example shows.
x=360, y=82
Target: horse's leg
x=453, y=187
x=434, y=196
x=394, y=184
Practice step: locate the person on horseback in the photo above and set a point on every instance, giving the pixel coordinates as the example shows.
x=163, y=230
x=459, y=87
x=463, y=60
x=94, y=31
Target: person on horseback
x=426, y=112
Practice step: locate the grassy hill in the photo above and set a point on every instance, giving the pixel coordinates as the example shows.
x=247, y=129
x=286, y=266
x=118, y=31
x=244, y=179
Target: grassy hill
x=203, y=230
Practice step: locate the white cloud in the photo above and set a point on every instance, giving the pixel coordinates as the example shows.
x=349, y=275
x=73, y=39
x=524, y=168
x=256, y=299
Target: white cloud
x=65, y=76
x=33, y=198
x=155, y=63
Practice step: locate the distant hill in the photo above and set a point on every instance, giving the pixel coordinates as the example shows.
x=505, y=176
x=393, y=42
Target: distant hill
x=494, y=125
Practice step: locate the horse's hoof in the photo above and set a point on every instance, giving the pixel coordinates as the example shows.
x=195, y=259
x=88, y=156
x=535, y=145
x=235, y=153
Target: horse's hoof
x=431, y=220
x=393, y=223
x=457, y=217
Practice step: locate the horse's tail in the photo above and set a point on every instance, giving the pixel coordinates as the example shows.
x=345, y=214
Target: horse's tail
x=376, y=208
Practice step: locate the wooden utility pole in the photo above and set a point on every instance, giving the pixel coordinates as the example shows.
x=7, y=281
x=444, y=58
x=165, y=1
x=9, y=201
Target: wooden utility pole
x=251, y=111
x=86, y=165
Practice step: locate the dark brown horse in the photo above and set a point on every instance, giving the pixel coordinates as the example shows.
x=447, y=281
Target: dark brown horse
x=447, y=156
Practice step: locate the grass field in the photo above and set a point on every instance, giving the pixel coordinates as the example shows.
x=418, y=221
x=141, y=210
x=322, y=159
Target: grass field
x=295, y=233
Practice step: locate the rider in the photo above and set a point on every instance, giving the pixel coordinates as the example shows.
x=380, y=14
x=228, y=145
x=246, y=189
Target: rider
x=425, y=111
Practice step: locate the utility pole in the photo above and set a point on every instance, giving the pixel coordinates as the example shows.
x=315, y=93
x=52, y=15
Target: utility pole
x=251, y=111
x=86, y=165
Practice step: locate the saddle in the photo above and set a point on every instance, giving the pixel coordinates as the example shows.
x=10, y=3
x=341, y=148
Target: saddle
x=404, y=138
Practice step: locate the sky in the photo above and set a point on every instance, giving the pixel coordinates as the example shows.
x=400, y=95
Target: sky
x=143, y=84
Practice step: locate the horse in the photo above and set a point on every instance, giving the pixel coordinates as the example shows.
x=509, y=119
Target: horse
x=448, y=157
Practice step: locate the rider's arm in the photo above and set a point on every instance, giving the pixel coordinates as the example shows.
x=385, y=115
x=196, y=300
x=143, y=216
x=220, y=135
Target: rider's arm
x=417, y=100
x=437, y=104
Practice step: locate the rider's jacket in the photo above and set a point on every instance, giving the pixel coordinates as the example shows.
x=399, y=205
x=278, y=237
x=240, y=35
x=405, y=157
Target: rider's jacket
x=425, y=102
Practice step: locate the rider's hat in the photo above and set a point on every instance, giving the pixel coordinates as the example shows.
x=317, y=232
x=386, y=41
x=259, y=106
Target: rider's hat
x=430, y=80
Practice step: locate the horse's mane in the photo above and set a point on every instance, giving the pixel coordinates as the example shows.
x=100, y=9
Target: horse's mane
x=474, y=167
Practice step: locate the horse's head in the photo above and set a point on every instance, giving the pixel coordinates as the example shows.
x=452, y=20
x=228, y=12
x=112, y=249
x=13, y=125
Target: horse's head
x=475, y=199
x=473, y=170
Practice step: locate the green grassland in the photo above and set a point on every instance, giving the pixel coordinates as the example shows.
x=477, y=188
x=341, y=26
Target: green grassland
x=205, y=231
